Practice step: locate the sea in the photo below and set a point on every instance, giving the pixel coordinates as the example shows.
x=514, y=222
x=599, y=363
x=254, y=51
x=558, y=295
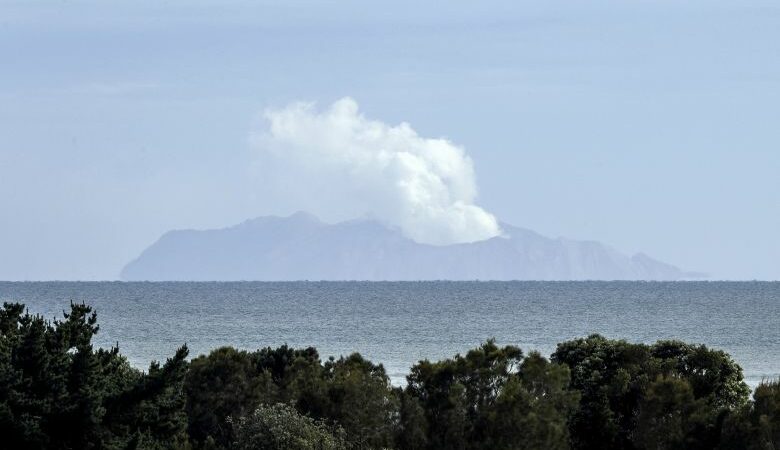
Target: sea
x=400, y=323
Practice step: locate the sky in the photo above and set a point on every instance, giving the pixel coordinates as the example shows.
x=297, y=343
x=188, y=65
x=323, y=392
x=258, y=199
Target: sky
x=651, y=126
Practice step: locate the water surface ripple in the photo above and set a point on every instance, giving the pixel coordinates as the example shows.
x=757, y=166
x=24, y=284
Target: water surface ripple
x=399, y=323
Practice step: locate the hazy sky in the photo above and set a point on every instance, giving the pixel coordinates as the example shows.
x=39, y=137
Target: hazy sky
x=652, y=126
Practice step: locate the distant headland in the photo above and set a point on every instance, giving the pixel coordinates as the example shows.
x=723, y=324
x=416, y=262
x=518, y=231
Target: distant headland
x=301, y=247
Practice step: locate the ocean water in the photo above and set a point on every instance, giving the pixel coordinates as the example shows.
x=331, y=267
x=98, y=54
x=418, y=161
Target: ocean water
x=399, y=323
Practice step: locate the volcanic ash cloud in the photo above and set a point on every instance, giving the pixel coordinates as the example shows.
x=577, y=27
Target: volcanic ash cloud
x=338, y=163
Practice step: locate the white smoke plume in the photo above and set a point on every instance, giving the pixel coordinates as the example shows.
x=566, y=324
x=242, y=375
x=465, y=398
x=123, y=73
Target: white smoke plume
x=338, y=163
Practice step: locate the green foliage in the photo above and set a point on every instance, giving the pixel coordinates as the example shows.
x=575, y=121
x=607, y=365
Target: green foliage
x=153, y=409
x=281, y=427
x=491, y=398
x=350, y=391
x=412, y=429
x=765, y=414
x=56, y=392
x=224, y=383
x=756, y=425
x=614, y=378
x=712, y=374
x=296, y=375
x=360, y=399
x=670, y=415
x=531, y=410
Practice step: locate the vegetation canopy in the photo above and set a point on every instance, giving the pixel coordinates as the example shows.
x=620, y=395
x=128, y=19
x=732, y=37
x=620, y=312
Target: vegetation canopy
x=58, y=392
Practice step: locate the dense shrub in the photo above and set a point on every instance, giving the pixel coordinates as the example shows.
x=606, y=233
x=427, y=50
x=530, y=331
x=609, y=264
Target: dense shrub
x=281, y=427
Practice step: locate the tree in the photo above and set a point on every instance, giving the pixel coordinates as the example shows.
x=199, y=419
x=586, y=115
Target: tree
x=360, y=399
x=712, y=374
x=297, y=376
x=668, y=416
x=755, y=426
x=533, y=407
x=766, y=414
x=614, y=377
x=154, y=408
x=412, y=430
x=224, y=383
x=57, y=392
x=493, y=398
x=610, y=376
